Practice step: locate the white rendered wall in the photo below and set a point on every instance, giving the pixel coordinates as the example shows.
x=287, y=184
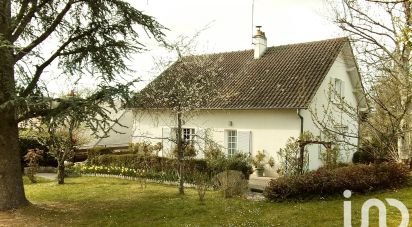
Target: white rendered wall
x=270, y=129
x=321, y=102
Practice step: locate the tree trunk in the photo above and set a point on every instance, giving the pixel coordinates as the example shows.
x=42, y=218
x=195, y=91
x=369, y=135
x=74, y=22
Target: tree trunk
x=403, y=141
x=402, y=144
x=404, y=73
x=60, y=172
x=11, y=183
x=301, y=157
x=180, y=153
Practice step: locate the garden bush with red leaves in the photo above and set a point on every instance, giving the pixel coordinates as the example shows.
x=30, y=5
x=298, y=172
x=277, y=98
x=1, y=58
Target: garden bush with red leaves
x=324, y=181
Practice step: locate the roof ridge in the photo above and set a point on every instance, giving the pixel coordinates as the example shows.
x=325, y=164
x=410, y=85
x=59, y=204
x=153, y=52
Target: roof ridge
x=217, y=53
x=312, y=42
x=282, y=45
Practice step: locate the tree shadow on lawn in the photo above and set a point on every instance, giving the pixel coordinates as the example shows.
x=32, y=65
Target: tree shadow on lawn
x=40, y=215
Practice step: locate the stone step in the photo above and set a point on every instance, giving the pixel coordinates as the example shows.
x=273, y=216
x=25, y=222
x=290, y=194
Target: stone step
x=259, y=183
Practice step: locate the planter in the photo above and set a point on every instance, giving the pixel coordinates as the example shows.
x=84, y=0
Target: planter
x=259, y=171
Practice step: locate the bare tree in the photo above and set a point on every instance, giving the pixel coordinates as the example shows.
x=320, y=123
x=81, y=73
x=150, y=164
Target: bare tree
x=187, y=85
x=381, y=33
x=66, y=128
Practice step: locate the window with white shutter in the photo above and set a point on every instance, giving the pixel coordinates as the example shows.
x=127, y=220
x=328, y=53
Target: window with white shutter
x=170, y=137
x=237, y=141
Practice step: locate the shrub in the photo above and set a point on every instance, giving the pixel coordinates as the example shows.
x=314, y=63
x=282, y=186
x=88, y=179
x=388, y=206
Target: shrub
x=362, y=157
x=94, y=153
x=231, y=183
x=202, y=182
x=324, y=181
x=189, y=150
x=32, y=159
x=378, y=150
x=258, y=160
x=240, y=162
x=289, y=158
x=145, y=148
x=213, y=151
x=33, y=143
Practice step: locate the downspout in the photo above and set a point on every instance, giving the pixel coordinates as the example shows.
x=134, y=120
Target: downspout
x=301, y=121
x=301, y=147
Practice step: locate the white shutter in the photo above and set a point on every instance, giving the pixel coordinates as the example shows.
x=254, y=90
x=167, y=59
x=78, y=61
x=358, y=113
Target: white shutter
x=217, y=136
x=244, y=141
x=173, y=139
x=200, y=144
x=342, y=88
x=166, y=143
x=225, y=141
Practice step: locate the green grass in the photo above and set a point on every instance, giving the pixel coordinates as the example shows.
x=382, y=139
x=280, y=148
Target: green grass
x=113, y=202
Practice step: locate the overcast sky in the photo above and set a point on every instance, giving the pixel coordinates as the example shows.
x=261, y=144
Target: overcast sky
x=229, y=25
x=284, y=21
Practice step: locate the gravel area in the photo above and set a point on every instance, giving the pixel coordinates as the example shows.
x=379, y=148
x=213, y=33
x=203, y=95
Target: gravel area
x=255, y=196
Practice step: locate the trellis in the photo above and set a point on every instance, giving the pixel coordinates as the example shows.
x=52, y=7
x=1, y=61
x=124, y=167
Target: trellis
x=303, y=143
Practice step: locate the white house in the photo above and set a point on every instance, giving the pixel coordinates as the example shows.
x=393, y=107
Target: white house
x=276, y=92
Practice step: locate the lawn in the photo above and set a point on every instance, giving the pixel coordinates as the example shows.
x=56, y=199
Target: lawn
x=95, y=201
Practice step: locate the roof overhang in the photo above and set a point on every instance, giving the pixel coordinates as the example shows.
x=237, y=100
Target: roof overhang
x=353, y=71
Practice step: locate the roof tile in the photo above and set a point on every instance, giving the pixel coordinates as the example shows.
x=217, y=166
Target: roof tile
x=285, y=76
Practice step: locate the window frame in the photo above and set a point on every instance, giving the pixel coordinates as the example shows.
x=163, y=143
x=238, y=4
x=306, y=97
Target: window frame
x=232, y=142
x=338, y=90
x=188, y=134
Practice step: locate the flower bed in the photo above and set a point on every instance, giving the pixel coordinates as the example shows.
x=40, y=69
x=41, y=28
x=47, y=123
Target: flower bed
x=129, y=174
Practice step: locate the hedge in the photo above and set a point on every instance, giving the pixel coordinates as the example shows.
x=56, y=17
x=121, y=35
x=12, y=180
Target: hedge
x=323, y=182
x=158, y=167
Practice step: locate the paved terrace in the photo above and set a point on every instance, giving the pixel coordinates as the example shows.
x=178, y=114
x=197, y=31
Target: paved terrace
x=258, y=183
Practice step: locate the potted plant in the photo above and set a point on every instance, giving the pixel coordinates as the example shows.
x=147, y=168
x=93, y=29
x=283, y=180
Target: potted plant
x=259, y=163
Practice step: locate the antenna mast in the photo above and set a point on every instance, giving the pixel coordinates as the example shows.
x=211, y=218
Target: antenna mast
x=253, y=10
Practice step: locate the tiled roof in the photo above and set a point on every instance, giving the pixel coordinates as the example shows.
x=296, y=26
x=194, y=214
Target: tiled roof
x=285, y=76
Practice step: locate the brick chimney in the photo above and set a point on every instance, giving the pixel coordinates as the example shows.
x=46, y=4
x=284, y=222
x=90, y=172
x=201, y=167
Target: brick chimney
x=259, y=40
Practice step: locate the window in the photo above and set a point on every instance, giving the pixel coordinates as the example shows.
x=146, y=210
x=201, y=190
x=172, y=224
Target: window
x=231, y=142
x=237, y=141
x=339, y=89
x=188, y=134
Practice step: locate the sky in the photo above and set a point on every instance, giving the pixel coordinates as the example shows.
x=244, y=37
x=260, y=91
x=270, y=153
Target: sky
x=226, y=25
